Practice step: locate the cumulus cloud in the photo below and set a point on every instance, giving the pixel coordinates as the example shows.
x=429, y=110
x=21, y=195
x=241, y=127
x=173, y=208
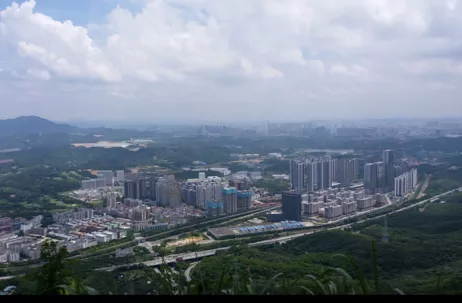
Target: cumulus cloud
x=40, y=74
x=271, y=53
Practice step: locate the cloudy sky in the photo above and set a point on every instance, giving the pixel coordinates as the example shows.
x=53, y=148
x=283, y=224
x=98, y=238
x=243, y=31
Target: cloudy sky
x=230, y=60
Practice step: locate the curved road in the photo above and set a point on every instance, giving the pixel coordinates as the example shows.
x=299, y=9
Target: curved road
x=187, y=272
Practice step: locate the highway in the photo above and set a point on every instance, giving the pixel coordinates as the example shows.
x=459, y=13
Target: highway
x=194, y=255
x=135, y=243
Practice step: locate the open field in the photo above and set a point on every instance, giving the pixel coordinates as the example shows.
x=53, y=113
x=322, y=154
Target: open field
x=104, y=144
x=186, y=241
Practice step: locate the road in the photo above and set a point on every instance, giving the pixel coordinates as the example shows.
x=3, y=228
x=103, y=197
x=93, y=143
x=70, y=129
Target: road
x=424, y=187
x=187, y=272
x=111, y=249
x=388, y=199
x=211, y=252
x=7, y=278
x=135, y=243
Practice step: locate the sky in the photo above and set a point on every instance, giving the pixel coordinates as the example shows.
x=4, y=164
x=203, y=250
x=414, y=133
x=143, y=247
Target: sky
x=225, y=61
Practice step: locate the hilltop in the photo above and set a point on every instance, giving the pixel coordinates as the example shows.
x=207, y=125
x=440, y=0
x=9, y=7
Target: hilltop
x=32, y=125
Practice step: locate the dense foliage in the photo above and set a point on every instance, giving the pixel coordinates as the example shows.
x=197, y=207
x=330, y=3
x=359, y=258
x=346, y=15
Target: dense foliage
x=25, y=192
x=424, y=245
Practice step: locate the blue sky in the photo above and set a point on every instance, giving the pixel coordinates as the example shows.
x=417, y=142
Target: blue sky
x=81, y=12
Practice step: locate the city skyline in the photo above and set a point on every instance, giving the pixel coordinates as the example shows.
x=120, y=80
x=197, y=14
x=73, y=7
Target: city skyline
x=203, y=60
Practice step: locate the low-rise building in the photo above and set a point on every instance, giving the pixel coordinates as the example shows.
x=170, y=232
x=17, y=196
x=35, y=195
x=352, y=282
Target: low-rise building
x=349, y=207
x=121, y=253
x=312, y=208
x=3, y=256
x=13, y=256
x=121, y=234
x=100, y=237
x=365, y=203
x=89, y=242
x=111, y=235
x=333, y=211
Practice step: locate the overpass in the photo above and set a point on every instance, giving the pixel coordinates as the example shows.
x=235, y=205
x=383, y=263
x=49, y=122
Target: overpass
x=171, y=259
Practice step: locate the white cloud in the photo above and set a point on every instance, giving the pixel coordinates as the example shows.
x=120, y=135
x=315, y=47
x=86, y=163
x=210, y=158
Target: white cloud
x=61, y=47
x=40, y=74
x=264, y=51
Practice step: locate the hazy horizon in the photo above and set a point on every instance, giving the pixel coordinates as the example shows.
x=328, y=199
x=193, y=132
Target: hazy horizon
x=339, y=122
x=209, y=61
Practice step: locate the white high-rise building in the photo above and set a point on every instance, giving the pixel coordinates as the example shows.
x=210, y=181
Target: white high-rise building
x=311, y=175
x=406, y=183
x=415, y=177
x=297, y=174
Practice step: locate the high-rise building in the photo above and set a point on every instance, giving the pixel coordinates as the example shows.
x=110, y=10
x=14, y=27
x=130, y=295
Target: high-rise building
x=326, y=178
x=292, y=206
x=202, y=176
x=207, y=192
x=359, y=168
x=244, y=200
x=332, y=170
x=168, y=192
x=214, y=208
x=346, y=171
x=311, y=176
x=111, y=201
x=388, y=170
x=192, y=196
x=372, y=177
x=108, y=175
x=406, y=182
x=340, y=173
x=142, y=187
x=319, y=175
x=297, y=174
x=130, y=189
x=229, y=196
x=152, y=188
x=120, y=176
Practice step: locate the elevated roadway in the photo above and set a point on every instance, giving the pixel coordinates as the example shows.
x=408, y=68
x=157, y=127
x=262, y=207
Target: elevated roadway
x=202, y=254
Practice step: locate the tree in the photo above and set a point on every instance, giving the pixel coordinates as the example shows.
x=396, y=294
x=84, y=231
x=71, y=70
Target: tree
x=52, y=275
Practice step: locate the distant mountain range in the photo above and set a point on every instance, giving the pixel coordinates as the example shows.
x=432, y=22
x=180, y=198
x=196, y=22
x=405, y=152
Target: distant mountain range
x=33, y=125
x=27, y=126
